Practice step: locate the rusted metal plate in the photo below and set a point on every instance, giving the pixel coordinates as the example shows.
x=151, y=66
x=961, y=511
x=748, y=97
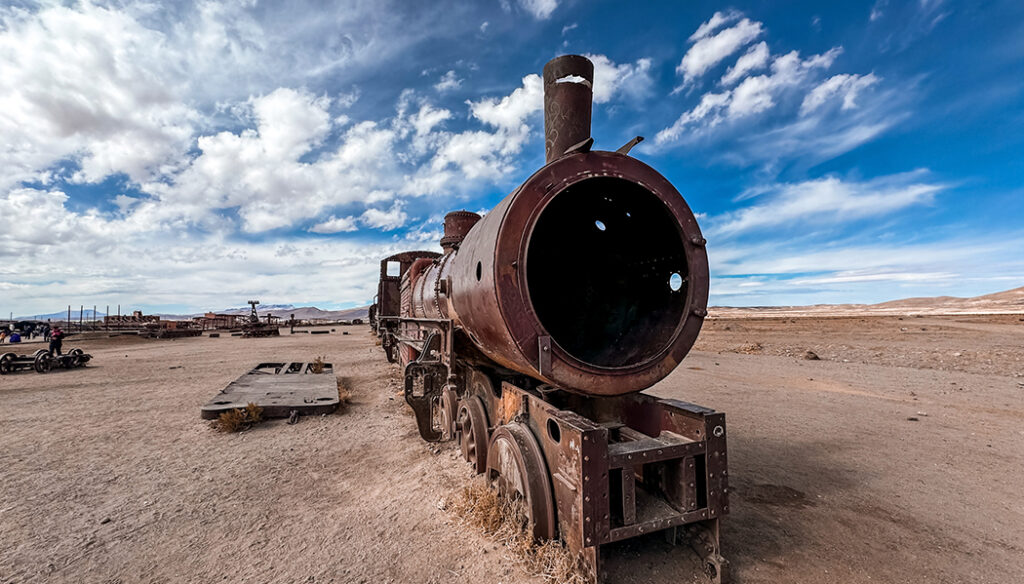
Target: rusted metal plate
x=279, y=388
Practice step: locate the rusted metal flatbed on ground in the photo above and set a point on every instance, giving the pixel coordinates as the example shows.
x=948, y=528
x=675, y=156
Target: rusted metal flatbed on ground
x=280, y=389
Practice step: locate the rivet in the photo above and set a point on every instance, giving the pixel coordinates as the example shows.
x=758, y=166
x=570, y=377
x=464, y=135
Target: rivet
x=700, y=312
x=586, y=459
x=588, y=520
x=587, y=498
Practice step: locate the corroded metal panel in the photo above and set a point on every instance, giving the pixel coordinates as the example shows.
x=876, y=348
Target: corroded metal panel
x=280, y=388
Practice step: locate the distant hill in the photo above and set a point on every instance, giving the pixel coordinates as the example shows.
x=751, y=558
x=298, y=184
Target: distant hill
x=281, y=310
x=87, y=315
x=1008, y=301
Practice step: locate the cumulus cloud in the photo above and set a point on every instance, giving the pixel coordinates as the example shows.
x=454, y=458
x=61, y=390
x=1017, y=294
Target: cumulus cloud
x=611, y=79
x=711, y=49
x=95, y=87
x=385, y=219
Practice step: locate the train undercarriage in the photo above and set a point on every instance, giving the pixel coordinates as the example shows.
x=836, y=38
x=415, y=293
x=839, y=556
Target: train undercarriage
x=589, y=470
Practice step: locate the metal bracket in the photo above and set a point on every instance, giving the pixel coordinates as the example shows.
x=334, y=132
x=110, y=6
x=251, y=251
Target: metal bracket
x=583, y=146
x=544, y=354
x=629, y=145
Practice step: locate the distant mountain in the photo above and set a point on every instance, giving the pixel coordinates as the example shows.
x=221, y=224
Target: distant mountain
x=87, y=315
x=284, y=311
x=1008, y=301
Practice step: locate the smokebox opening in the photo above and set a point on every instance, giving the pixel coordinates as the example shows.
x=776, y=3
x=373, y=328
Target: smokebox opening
x=607, y=273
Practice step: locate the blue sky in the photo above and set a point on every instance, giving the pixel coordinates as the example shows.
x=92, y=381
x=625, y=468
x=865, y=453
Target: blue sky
x=179, y=157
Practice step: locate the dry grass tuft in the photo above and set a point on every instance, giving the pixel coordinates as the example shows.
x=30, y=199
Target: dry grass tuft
x=344, y=395
x=318, y=364
x=239, y=419
x=505, y=521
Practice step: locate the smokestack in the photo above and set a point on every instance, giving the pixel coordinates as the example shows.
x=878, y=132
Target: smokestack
x=456, y=225
x=568, y=97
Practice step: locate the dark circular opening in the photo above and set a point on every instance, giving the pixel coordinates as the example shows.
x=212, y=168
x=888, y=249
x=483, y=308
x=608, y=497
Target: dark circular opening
x=479, y=271
x=601, y=293
x=554, y=431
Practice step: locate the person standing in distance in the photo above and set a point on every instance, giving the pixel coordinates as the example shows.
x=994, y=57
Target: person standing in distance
x=56, y=340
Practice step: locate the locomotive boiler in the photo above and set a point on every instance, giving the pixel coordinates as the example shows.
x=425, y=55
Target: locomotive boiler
x=531, y=337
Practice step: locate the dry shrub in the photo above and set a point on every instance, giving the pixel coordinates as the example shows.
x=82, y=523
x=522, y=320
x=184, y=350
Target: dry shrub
x=344, y=395
x=238, y=419
x=318, y=365
x=749, y=349
x=505, y=521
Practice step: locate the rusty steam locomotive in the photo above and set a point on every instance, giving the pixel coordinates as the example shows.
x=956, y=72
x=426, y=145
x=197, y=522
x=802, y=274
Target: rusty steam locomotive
x=530, y=338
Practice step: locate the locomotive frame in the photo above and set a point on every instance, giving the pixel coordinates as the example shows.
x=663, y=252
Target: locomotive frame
x=594, y=462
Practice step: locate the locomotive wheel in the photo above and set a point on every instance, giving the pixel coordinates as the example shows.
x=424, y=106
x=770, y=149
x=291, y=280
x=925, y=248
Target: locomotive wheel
x=5, y=363
x=516, y=468
x=76, y=358
x=449, y=412
x=39, y=352
x=43, y=362
x=472, y=425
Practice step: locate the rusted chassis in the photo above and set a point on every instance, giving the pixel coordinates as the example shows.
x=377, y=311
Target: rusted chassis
x=530, y=339
x=590, y=470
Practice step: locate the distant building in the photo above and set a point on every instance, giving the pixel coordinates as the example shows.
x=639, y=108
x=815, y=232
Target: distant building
x=136, y=318
x=212, y=320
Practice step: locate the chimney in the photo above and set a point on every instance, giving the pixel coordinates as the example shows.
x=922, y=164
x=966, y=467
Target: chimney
x=568, y=98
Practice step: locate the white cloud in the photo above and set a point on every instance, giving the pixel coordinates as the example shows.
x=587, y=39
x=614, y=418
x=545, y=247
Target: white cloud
x=846, y=85
x=714, y=23
x=710, y=103
x=807, y=204
x=754, y=59
x=755, y=94
x=512, y=110
x=569, y=27
x=335, y=225
x=708, y=51
x=632, y=79
x=448, y=82
x=94, y=85
x=386, y=220
x=752, y=96
x=540, y=9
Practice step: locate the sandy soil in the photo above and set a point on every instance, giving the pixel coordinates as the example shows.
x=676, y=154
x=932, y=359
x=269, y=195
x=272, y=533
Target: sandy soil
x=109, y=475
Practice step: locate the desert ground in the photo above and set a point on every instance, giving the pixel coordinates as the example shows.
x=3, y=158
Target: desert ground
x=896, y=456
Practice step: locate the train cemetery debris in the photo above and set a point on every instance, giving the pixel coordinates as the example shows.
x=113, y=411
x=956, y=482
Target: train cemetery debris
x=281, y=389
x=42, y=361
x=257, y=328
